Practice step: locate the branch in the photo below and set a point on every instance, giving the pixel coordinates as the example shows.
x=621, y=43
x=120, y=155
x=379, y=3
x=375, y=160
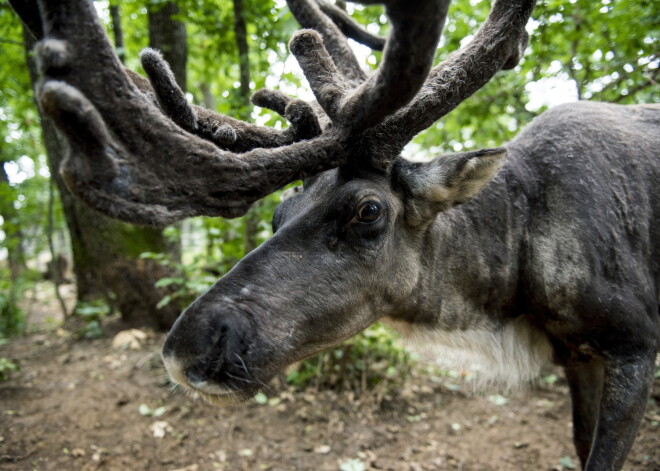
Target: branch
x=350, y=28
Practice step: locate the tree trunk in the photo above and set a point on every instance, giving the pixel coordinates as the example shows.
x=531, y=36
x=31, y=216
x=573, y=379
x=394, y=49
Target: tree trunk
x=207, y=96
x=240, y=32
x=251, y=219
x=118, y=32
x=169, y=36
x=106, y=252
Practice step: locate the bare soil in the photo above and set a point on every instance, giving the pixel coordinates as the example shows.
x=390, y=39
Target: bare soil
x=76, y=405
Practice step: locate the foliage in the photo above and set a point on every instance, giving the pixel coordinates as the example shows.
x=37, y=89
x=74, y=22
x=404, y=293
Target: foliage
x=7, y=367
x=577, y=49
x=208, y=259
x=594, y=45
x=371, y=360
x=91, y=314
x=190, y=282
x=22, y=199
x=12, y=318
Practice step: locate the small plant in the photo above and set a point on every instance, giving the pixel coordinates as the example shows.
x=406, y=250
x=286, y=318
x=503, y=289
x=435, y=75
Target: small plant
x=12, y=318
x=190, y=282
x=371, y=359
x=92, y=314
x=223, y=246
x=149, y=412
x=7, y=367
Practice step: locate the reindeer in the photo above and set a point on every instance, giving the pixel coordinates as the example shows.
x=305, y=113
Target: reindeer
x=549, y=255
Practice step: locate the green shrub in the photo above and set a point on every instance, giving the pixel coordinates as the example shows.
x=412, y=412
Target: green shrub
x=7, y=367
x=371, y=359
x=12, y=318
x=91, y=314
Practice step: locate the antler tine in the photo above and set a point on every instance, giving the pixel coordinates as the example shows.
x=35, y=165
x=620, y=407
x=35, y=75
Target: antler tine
x=224, y=131
x=499, y=44
x=350, y=28
x=308, y=13
x=126, y=158
x=416, y=26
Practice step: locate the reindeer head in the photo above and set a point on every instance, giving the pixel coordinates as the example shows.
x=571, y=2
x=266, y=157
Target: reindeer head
x=346, y=248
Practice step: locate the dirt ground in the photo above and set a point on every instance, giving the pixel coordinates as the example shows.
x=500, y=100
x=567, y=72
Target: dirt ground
x=86, y=405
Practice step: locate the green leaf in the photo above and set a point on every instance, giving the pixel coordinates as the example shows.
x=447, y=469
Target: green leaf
x=354, y=464
x=261, y=399
x=164, y=302
x=567, y=462
x=163, y=282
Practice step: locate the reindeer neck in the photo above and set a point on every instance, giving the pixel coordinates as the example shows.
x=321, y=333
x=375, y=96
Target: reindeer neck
x=471, y=260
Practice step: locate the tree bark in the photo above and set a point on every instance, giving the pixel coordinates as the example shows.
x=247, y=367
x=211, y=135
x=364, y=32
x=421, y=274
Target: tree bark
x=240, y=32
x=168, y=35
x=251, y=219
x=106, y=252
x=118, y=32
x=207, y=96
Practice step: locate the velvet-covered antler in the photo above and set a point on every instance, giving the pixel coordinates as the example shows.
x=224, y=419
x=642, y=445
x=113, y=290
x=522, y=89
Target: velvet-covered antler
x=498, y=45
x=352, y=100
x=161, y=88
x=391, y=107
x=140, y=152
x=224, y=131
x=130, y=161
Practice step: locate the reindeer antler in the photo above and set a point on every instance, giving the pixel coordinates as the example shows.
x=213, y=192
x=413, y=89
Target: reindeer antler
x=224, y=131
x=499, y=44
x=139, y=152
x=334, y=73
x=131, y=162
x=385, y=111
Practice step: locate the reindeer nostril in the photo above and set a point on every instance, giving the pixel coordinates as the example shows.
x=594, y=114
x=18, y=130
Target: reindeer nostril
x=214, y=356
x=195, y=376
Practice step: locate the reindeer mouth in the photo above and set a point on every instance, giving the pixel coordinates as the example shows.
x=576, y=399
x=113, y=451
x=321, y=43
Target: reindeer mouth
x=208, y=391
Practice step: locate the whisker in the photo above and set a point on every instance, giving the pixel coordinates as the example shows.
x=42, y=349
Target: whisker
x=245, y=380
x=245, y=368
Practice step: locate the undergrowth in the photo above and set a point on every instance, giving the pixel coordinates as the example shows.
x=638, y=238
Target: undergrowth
x=371, y=361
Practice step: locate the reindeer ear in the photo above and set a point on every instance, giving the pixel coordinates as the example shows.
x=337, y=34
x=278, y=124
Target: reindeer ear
x=445, y=181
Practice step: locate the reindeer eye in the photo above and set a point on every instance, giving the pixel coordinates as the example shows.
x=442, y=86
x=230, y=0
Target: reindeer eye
x=369, y=211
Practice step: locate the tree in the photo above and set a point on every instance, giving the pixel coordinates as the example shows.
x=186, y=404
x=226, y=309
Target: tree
x=118, y=32
x=168, y=34
x=106, y=253
x=251, y=219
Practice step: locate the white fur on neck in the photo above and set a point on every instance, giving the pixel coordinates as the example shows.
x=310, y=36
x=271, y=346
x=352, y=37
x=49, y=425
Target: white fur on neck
x=507, y=356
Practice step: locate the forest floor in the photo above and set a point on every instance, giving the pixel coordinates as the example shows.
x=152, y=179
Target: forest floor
x=86, y=405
